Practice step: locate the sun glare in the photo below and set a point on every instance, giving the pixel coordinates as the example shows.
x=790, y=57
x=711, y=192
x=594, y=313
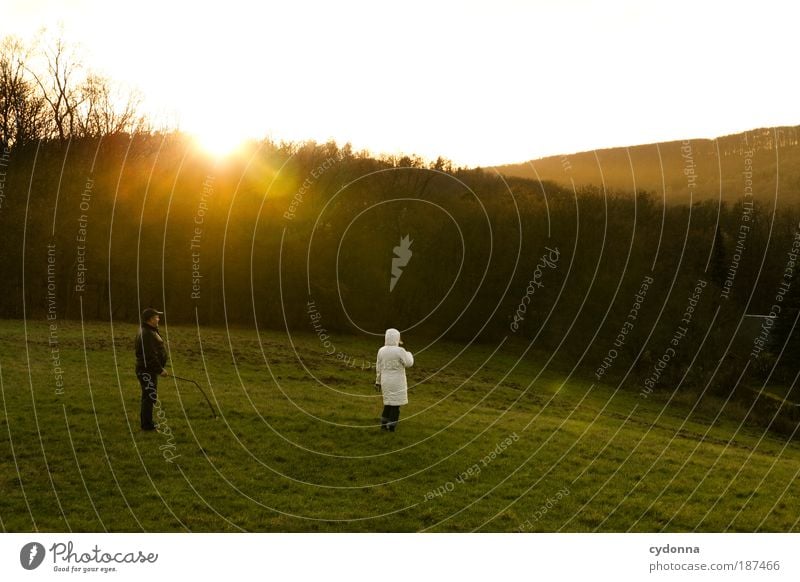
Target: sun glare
x=219, y=142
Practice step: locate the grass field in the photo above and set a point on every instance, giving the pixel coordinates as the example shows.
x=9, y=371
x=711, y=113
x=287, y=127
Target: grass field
x=486, y=443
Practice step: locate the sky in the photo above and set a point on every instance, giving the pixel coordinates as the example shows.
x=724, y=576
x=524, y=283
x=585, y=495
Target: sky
x=480, y=83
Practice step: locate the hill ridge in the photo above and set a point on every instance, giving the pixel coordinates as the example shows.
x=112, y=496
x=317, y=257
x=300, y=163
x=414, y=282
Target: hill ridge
x=717, y=163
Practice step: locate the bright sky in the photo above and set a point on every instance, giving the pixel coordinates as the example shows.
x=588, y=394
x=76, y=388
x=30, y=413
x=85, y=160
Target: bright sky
x=481, y=83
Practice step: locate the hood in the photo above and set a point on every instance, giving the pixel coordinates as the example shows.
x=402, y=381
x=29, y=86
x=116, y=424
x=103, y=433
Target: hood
x=392, y=337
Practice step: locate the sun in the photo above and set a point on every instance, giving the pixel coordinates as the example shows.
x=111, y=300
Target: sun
x=219, y=141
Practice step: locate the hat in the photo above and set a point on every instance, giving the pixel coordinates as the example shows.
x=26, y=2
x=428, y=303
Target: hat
x=150, y=312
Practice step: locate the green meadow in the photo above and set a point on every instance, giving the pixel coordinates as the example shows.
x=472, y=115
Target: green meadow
x=494, y=439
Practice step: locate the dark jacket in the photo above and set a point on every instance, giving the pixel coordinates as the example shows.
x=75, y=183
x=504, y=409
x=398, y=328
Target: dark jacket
x=151, y=356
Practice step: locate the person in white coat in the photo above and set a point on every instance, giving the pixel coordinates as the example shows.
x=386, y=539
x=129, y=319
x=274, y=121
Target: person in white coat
x=390, y=369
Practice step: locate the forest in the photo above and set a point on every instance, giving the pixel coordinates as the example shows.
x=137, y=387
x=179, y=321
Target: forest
x=102, y=215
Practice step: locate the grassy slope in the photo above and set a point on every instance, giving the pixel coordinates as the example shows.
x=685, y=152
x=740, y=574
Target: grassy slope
x=300, y=455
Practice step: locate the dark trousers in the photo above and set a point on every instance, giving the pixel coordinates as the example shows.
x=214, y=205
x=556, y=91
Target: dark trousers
x=149, y=384
x=389, y=417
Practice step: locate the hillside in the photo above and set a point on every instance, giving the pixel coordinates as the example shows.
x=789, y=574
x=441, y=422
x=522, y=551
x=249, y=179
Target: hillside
x=684, y=171
x=304, y=236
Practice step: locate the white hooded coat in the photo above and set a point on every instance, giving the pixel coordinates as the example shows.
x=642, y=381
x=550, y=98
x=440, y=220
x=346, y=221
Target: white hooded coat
x=390, y=370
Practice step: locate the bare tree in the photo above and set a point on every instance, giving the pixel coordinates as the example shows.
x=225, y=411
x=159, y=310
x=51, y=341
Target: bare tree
x=61, y=88
x=106, y=109
x=58, y=97
x=22, y=110
x=11, y=73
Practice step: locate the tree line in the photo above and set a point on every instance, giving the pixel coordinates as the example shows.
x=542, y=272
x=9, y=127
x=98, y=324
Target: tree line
x=47, y=92
x=102, y=218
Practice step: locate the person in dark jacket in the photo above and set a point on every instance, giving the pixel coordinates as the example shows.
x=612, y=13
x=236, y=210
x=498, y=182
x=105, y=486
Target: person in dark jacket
x=151, y=358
